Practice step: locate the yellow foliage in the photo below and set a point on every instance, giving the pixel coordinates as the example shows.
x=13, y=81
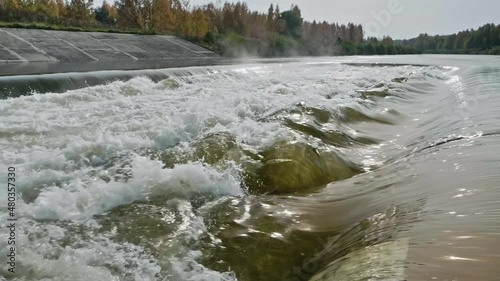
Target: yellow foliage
x=163, y=16
x=61, y=8
x=199, y=23
x=13, y=4
x=53, y=10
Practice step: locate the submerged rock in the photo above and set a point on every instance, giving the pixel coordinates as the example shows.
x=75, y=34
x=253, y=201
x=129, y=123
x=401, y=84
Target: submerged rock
x=211, y=149
x=400, y=79
x=170, y=84
x=283, y=168
x=216, y=147
x=288, y=167
x=353, y=115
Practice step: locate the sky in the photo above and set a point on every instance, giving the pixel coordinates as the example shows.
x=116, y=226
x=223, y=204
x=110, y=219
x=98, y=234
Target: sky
x=397, y=18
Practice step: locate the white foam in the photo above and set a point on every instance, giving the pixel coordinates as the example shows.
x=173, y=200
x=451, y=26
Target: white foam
x=41, y=256
x=56, y=141
x=189, y=269
x=81, y=197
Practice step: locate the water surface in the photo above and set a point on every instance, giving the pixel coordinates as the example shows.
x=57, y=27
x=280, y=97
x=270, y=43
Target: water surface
x=363, y=168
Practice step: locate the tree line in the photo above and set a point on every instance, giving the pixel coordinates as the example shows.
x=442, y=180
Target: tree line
x=232, y=28
x=484, y=40
x=229, y=28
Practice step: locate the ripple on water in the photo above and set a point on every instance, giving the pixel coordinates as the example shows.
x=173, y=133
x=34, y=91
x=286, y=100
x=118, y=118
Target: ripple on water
x=332, y=171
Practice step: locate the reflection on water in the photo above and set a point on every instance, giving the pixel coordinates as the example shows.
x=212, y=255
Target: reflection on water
x=380, y=168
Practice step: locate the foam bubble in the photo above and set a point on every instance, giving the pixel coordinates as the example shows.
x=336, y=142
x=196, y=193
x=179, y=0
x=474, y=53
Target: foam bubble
x=83, y=197
x=45, y=254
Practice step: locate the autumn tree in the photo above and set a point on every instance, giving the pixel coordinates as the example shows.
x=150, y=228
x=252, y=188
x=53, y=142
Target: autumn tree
x=80, y=10
x=13, y=4
x=53, y=9
x=129, y=15
x=228, y=18
x=199, y=23
x=61, y=8
x=258, y=27
x=214, y=17
x=184, y=22
x=163, y=16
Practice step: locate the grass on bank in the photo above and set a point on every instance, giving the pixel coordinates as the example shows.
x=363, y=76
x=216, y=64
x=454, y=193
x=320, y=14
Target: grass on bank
x=45, y=26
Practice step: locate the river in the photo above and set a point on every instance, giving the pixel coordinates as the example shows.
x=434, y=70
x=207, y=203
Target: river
x=351, y=168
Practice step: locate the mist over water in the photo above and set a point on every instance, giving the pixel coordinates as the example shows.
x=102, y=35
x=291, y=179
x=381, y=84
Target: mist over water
x=361, y=168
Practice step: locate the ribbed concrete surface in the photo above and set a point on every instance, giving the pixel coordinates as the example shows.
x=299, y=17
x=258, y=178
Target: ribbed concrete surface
x=32, y=51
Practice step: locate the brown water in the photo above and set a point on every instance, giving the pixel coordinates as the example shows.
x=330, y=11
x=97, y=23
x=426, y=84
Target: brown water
x=364, y=168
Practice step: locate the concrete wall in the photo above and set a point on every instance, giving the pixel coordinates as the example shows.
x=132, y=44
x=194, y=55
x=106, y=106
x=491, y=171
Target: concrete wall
x=33, y=51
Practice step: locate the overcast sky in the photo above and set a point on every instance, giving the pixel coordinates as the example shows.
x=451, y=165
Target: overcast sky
x=407, y=19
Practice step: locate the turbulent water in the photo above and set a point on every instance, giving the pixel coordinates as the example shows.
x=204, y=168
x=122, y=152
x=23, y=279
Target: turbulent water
x=364, y=168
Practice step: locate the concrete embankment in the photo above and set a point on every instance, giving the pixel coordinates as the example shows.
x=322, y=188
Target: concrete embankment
x=32, y=51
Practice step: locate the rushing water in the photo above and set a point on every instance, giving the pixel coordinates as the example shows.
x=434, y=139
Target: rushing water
x=318, y=169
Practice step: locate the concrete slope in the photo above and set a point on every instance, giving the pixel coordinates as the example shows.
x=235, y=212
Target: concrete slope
x=33, y=51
